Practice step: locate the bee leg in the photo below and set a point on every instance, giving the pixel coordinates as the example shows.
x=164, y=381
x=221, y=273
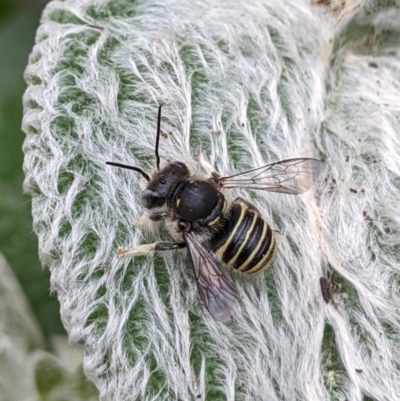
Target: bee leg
x=143, y=220
x=145, y=249
x=159, y=215
x=169, y=246
x=205, y=165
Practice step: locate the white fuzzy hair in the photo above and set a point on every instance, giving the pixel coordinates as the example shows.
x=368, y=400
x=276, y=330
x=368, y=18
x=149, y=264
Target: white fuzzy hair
x=252, y=82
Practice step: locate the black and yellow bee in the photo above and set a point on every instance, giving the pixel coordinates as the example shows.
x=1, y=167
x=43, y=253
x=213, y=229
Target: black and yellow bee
x=213, y=230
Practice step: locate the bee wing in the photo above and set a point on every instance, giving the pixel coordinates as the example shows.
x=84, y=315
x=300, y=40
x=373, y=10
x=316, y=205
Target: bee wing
x=292, y=176
x=218, y=294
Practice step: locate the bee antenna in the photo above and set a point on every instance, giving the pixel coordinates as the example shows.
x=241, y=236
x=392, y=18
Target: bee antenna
x=139, y=170
x=158, y=137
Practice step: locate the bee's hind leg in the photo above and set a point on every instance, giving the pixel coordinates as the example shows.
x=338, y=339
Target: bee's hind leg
x=205, y=165
x=145, y=249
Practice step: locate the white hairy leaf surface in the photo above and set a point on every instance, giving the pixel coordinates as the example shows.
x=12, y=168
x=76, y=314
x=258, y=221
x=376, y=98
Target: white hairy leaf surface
x=252, y=83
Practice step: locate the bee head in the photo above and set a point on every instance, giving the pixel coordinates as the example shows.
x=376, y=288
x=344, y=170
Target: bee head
x=163, y=183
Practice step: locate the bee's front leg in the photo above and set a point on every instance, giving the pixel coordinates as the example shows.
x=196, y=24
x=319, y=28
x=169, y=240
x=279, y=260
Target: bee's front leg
x=145, y=249
x=159, y=215
x=143, y=220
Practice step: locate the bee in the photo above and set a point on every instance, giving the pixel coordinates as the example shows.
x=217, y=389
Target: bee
x=212, y=230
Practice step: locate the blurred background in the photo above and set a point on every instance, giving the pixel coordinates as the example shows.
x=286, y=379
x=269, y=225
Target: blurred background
x=19, y=20
x=34, y=350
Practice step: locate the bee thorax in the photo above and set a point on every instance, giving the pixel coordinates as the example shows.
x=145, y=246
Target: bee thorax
x=198, y=201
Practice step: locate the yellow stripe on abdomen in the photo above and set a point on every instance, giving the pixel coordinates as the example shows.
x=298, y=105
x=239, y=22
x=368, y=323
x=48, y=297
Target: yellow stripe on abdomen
x=256, y=249
x=266, y=259
x=245, y=241
x=221, y=250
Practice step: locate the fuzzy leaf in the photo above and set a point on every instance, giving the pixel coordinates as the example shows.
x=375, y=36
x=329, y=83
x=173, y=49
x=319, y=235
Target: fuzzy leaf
x=251, y=82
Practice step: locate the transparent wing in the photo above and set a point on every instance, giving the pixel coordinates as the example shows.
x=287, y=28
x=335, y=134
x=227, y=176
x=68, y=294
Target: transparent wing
x=218, y=294
x=292, y=176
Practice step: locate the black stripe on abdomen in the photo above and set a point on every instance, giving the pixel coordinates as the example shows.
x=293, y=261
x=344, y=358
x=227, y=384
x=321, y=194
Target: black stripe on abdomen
x=243, y=230
x=251, y=243
x=263, y=256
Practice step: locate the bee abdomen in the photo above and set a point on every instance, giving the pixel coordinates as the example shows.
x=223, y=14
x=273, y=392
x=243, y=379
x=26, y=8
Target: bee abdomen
x=246, y=242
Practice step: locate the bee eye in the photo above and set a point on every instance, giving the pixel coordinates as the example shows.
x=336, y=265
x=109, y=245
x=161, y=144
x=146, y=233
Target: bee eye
x=162, y=180
x=151, y=199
